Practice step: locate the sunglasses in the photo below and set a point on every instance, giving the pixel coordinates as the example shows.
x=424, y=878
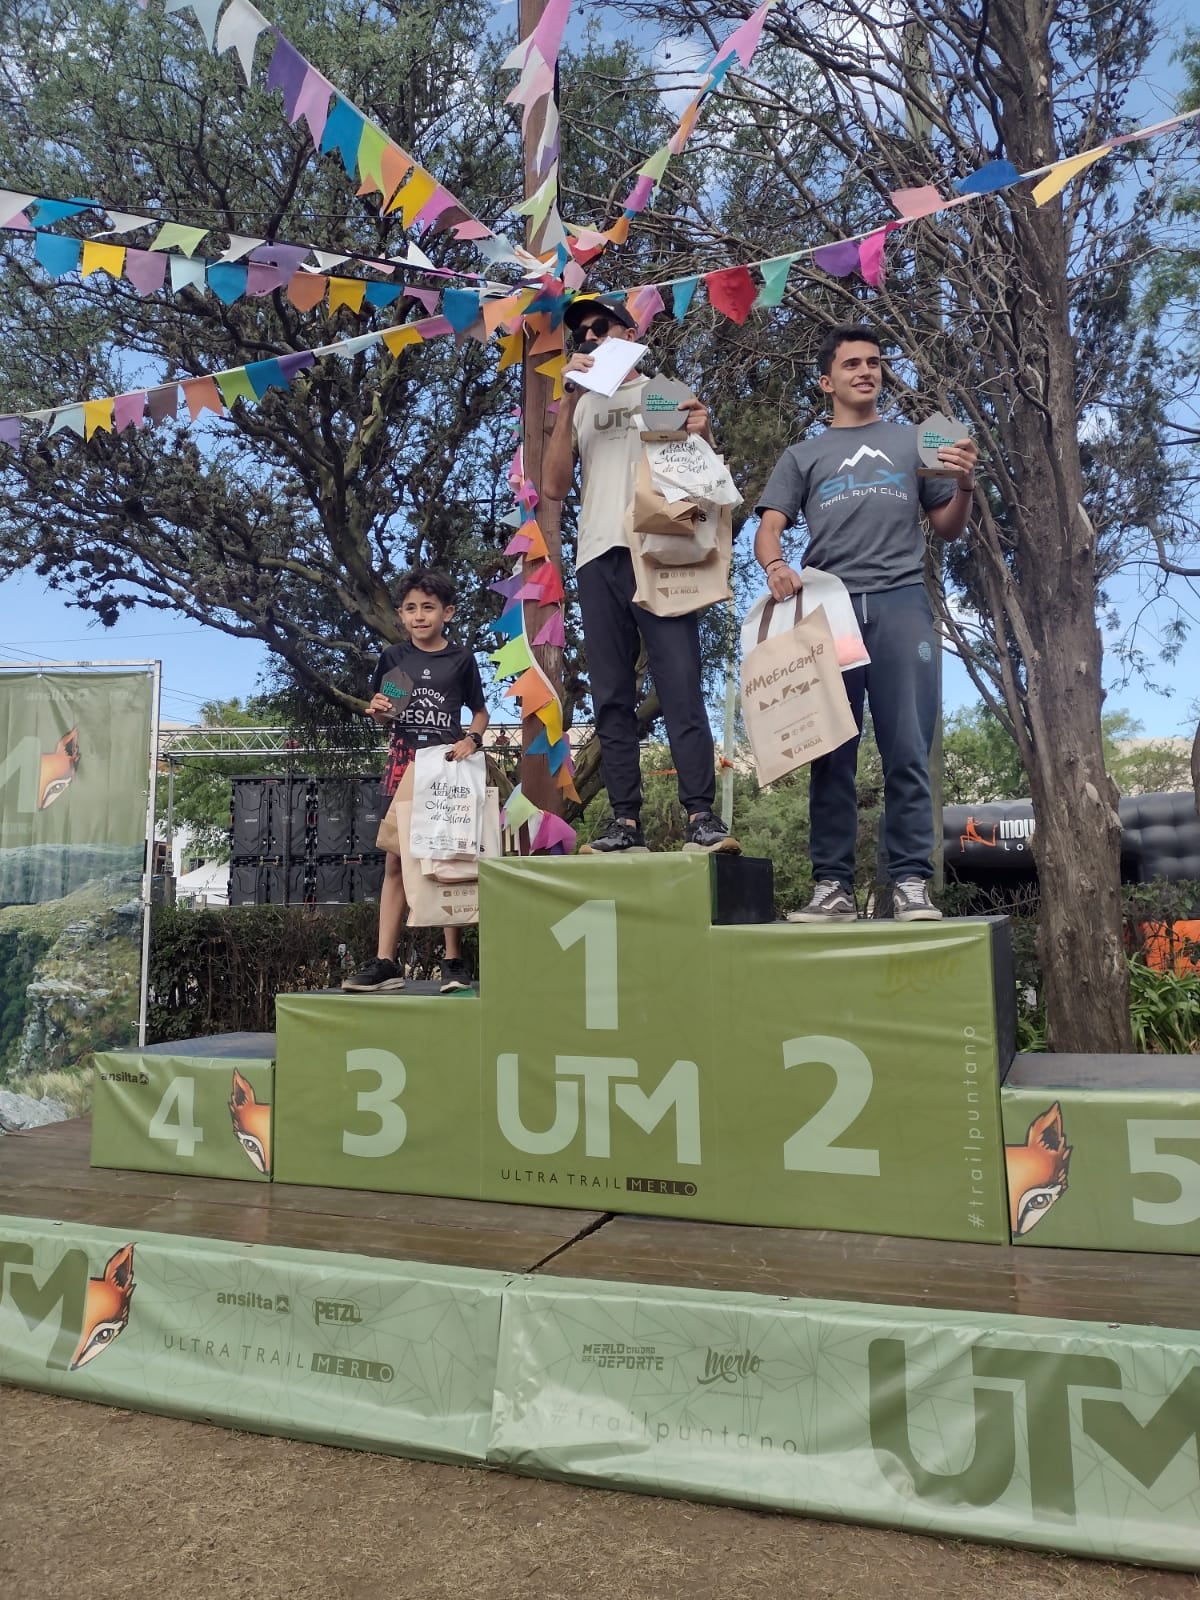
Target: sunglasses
x=598, y=328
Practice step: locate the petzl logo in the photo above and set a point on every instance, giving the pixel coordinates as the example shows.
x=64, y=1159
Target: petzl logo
x=91, y=1311
x=340, y=1312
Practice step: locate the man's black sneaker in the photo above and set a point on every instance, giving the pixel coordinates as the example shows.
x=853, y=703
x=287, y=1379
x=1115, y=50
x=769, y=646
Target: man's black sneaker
x=377, y=977
x=829, y=903
x=455, y=977
x=911, y=902
x=707, y=832
x=618, y=836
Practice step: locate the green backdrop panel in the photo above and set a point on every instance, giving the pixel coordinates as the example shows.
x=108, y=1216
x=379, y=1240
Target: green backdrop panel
x=857, y=1082
x=378, y=1092
x=335, y=1348
x=1104, y=1169
x=163, y=1113
x=1064, y=1436
x=597, y=1033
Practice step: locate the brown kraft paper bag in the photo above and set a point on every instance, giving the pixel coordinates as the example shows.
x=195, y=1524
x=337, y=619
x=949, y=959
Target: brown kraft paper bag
x=674, y=591
x=794, y=701
x=653, y=512
x=389, y=836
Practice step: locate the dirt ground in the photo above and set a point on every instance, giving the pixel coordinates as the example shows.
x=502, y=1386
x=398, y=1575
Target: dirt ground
x=103, y=1505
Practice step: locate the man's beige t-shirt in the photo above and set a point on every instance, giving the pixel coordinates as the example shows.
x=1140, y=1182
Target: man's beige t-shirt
x=609, y=447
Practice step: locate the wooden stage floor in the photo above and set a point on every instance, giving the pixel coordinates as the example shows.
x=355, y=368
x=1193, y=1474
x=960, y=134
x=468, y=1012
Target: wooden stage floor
x=45, y=1174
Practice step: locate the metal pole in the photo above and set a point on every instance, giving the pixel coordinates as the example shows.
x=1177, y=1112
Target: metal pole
x=727, y=736
x=148, y=874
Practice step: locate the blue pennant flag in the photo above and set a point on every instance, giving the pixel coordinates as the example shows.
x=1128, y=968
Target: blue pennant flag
x=383, y=294
x=510, y=622
x=994, y=175
x=540, y=746
x=460, y=307
x=558, y=754
x=227, y=280
x=57, y=254
x=343, y=133
x=264, y=375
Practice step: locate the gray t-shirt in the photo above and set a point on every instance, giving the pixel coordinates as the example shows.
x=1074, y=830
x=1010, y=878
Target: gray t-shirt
x=858, y=491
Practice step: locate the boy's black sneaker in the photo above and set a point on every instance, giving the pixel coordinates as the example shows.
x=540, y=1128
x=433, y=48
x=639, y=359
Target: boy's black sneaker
x=377, y=977
x=616, y=837
x=707, y=832
x=455, y=977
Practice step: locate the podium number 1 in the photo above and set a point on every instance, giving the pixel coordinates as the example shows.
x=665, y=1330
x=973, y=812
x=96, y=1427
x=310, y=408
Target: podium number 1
x=595, y=924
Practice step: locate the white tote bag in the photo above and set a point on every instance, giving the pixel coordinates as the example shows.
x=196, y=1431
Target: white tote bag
x=447, y=804
x=820, y=589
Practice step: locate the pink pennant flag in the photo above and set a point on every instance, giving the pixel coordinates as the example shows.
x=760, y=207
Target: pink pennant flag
x=427, y=297
x=743, y=41
x=129, y=411
x=644, y=305
x=313, y=103
x=518, y=545
x=551, y=631
x=553, y=834
x=472, y=229
x=923, y=202
x=870, y=257
x=146, y=270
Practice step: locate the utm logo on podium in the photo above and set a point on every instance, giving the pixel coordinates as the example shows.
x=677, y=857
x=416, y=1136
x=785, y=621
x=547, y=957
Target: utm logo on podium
x=598, y=1077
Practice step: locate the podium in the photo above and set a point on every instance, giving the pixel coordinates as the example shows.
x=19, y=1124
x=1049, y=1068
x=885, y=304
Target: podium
x=627, y=1053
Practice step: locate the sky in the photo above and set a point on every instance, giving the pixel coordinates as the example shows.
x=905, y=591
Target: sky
x=201, y=664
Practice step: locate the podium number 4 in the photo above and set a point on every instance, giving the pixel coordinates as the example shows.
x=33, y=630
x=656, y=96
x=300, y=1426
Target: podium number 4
x=180, y=1095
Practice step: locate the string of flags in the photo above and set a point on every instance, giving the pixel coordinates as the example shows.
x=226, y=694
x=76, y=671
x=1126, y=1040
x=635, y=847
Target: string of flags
x=536, y=579
x=336, y=124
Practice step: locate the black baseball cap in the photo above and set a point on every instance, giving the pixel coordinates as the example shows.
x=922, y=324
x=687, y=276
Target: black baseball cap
x=613, y=308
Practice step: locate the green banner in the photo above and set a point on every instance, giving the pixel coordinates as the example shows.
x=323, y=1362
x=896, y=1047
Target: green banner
x=1065, y=1436
x=74, y=786
x=208, y=1116
x=1104, y=1169
x=339, y=1349
x=625, y=1055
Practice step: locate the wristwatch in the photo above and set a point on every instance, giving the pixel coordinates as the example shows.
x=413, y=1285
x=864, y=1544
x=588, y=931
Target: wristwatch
x=476, y=738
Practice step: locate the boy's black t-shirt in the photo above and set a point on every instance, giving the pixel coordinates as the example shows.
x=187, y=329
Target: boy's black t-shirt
x=439, y=683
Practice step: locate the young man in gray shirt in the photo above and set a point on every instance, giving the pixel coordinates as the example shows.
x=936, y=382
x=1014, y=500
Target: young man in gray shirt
x=857, y=488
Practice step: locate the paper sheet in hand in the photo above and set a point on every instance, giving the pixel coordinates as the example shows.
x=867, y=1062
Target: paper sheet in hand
x=614, y=360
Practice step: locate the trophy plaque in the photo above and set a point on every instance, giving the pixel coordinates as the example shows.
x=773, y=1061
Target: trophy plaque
x=934, y=434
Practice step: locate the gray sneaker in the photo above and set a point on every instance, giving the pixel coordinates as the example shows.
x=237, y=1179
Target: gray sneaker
x=829, y=903
x=910, y=898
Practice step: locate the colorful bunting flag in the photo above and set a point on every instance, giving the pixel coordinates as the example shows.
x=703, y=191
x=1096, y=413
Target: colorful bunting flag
x=1057, y=179
x=732, y=292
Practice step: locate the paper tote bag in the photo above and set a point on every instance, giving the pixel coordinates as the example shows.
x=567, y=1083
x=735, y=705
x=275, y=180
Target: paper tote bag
x=794, y=702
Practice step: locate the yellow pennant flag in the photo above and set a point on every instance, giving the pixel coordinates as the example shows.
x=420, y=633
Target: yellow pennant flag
x=108, y=258
x=551, y=717
x=510, y=350
x=409, y=199
x=397, y=339
x=97, y=417
x=1060, y=176
x=346, y=292
x=554, y=369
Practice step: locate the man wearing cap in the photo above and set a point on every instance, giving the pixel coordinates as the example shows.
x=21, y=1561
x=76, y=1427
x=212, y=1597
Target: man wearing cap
x=605, y=434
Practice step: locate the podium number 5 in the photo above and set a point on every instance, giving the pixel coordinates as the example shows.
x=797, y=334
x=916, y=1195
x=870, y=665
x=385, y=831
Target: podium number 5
x=1145, y=1156
x=811, y=1148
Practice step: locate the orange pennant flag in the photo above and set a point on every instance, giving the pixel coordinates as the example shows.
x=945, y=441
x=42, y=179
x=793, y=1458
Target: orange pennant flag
x=202, y=395
x=532, y=691
x=497, y=311
x=537, y=543
x=306, y=289
x=397, y=339
x=510, y=350
x=546, y=342
x=619, y=231
x=566, y=783
x=97, y=416
x=395, y=167
x=346, y=292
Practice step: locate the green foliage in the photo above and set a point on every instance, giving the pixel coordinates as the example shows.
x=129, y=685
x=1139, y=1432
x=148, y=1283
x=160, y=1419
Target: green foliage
x=981, y=762
x=218, y=971
x=20, y=950
x=200, y=793
x=1164, y=1008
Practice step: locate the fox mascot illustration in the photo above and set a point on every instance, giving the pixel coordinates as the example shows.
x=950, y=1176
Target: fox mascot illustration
x=106, y=1308
x=251, y=1123
x=1037, y=1170
x=56, y=770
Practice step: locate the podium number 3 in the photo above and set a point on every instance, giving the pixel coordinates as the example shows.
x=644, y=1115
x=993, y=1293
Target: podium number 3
x=595, y=923
x=811, y=1148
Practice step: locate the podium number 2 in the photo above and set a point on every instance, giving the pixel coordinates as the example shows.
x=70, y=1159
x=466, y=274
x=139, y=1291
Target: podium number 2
x=595, y=923
x=179, y=1094
x=811, y=1148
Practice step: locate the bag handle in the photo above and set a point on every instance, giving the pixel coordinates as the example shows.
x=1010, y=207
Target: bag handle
x=764, y=621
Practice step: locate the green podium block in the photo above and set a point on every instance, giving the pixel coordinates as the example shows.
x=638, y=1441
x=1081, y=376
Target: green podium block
x=1103, y=1152
x=597, y=1033
x=207, y=1115
x=379, y=1092
x=858, y=1076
